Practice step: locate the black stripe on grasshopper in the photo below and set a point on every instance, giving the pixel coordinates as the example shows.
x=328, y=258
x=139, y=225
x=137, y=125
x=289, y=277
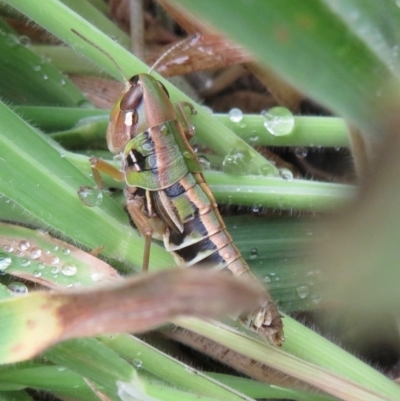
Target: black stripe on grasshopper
x=166, y=194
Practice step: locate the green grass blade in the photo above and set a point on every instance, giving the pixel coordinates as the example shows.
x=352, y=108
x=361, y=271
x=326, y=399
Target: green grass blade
x=91, y=14
x=25, y=78
x=331, y=368
x=167, y=368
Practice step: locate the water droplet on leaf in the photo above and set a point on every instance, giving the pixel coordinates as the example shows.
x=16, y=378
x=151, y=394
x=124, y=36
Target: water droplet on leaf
x=17, y=288
x=69, y=270
x=35, y=253
x=24, y=245
x=286, y=174
x=279, y=121
x=25, y=262
x=301, y=152
x=5, y=261
x=24, y=40
x=237, y=162
x=254, y=254
x=90, y=196
x=235, y=115
x=303, y=291
x=137, y=363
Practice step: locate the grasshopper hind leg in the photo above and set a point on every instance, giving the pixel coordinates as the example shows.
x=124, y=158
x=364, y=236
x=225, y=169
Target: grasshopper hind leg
x=267, y=322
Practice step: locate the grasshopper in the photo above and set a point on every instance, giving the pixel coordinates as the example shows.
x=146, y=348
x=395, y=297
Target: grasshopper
x=166, y=194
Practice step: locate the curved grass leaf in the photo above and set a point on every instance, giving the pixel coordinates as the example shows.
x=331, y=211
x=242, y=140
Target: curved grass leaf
x=338, y=67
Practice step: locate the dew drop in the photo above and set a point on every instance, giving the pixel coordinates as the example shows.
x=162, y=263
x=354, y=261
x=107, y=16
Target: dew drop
x=62, y=82
x=37, y=67
x=90, y=196
x=254, y=254
x=303, y=291
x=69, y=270
x=5, y=261
x=237, y=162
x=137, y=363
x=266, y=279
x=45, y=77
x=25, y=262
x=35, y=253
x=235, y=115
x=286, y=174
x=301, y=152
x=316, y=299
x=279, y=121
x=24, y=40
x=37, y=273
x=41, y=266
x=254, y=138
x=55, y=260
x=17, y=288
x=66, y=251
x=96, y=277
x=54, y=247
x=266, y=170
x=54, y=270
x=8, y=248
x=24, y=245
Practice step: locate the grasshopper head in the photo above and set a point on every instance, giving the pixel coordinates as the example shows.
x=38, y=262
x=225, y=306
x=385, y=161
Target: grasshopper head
x=145, y=104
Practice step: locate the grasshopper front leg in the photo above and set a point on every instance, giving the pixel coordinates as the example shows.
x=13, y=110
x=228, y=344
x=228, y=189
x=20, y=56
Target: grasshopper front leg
x=148, y=227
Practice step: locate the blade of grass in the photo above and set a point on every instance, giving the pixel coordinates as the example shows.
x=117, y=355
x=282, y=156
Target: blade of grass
x=347, y=370
x=25, y=78
x=167, y=368
x=91, y=14
x=308, y=131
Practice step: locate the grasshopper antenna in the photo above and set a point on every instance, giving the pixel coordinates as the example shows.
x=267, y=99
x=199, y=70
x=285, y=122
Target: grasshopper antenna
x=101, y=51
x=170, y=50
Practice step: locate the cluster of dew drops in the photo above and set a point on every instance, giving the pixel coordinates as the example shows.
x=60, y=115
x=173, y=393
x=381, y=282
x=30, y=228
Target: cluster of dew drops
x=13, y=40
x=278, y=121
x=26, y=255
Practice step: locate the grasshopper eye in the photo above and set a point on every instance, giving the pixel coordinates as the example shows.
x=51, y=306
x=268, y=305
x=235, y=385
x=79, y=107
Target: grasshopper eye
x=163, y=88
x=132, y=99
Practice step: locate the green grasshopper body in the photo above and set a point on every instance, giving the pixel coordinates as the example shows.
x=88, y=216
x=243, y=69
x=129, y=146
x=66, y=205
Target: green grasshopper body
x=166, y=194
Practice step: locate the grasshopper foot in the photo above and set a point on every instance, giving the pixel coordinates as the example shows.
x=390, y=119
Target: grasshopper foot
x=267, y=322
